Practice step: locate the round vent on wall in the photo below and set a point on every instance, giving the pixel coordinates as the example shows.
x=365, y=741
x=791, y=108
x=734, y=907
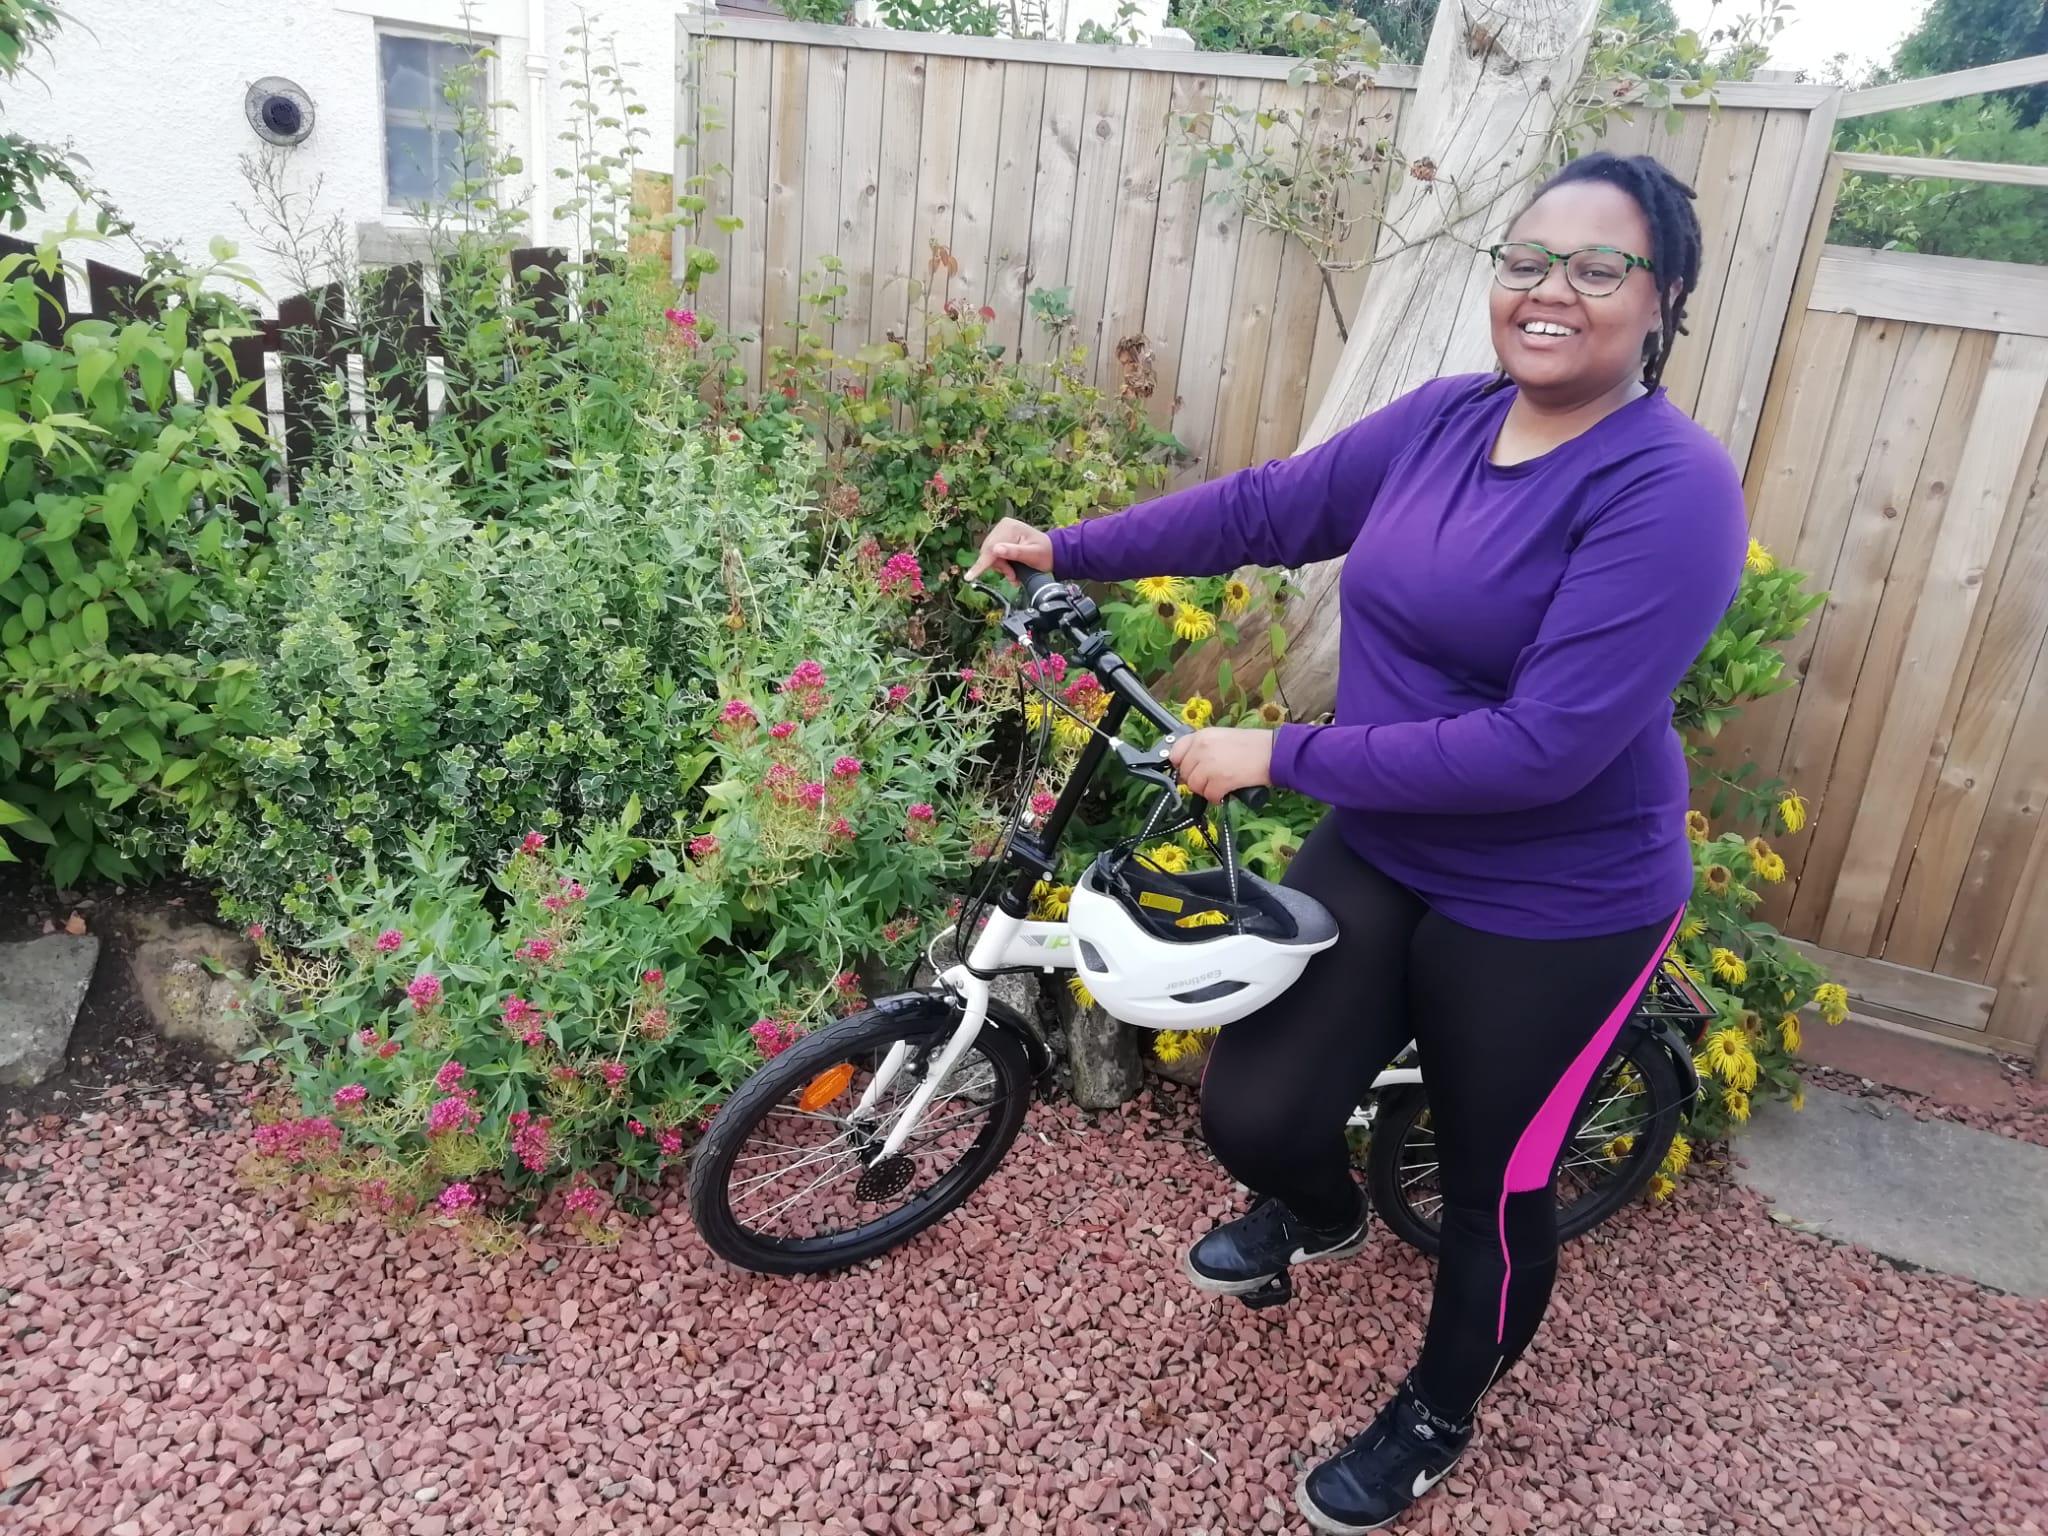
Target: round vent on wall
x=279, y=111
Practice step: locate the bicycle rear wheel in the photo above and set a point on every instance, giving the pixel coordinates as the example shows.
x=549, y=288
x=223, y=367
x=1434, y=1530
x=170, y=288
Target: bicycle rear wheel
x=1619, y=1137
x=784, y=1183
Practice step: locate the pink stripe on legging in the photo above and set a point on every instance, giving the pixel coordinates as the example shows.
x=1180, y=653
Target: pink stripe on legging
x=1535, y=1153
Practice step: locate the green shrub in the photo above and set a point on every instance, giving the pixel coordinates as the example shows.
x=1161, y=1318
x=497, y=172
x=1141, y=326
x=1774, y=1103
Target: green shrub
x=837, y=804
x=123, y=505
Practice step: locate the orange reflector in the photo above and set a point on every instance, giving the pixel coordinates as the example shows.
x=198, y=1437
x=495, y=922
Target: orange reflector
x=826, y=1086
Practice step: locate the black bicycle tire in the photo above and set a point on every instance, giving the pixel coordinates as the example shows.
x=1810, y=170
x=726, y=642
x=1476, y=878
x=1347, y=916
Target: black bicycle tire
x=1400, y=1107
x=711, y=1163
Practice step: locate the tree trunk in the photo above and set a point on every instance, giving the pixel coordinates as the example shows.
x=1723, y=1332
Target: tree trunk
x=1496, y=73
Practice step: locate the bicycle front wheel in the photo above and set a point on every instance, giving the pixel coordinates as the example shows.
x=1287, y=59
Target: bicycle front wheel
x=788, y=1182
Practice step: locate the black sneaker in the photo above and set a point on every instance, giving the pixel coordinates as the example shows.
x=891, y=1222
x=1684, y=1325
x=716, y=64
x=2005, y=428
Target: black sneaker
x=1240, y=1256
x=1407, y=1451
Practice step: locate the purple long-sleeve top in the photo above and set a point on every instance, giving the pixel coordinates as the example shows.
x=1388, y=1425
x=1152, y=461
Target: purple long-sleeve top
x=1502, y=742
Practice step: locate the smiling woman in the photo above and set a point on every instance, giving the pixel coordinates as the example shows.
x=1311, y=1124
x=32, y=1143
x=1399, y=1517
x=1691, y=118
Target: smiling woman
x=1531, y=563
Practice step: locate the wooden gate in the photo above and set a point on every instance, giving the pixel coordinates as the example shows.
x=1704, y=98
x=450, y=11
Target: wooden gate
x=1902, y=460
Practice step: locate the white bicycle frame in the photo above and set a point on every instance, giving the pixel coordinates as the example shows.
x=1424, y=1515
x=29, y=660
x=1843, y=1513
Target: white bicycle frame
x=1006, y=943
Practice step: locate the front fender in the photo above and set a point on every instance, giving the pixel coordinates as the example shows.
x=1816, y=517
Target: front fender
x=943, y=1008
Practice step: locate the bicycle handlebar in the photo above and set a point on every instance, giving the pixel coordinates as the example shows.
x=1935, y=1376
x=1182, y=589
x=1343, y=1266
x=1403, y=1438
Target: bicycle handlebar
x=1073, y=613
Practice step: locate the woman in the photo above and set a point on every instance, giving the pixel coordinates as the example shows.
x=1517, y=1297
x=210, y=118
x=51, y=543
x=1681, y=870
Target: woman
x=1533, y=560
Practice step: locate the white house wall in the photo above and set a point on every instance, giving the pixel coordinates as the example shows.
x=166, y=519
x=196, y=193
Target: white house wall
x=155, y=105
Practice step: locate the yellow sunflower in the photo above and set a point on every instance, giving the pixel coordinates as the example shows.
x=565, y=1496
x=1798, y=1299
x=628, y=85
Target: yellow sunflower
x=1792, y=812
x=1049, y=902
x=1618, y=1148
x=1758, y=849
x=1160, y=589
x=1679, y=1157
x=1833, y=1001
x=1079, y=989
x=1069, y=732
x=1660, y=1187
x=1717, y=878
x=1272, y=714
x=1209, y=919
x=1727, y=1055
x=1789, y=1033
x=1697, y=826
x=1198, y=711
x=1771, y=867
x=1194, y=623
x=1236, y=598
x=1760, y=562
x=1169, y=857
x=1799, y=1097
x=1736, y=1102
x=1692, y=928
x=1729, y=967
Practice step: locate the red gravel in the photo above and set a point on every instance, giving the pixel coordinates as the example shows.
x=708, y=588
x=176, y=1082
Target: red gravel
x=2025, y=1119
x=184, y=1356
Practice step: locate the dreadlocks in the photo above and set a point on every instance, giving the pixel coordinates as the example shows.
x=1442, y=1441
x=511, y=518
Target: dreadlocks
x=1675, y=240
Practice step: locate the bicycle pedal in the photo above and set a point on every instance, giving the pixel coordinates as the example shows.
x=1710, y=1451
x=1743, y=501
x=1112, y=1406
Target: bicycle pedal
x=1276, y=1292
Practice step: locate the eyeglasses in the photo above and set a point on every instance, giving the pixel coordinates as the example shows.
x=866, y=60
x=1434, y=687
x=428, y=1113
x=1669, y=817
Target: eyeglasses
x=1594, y=270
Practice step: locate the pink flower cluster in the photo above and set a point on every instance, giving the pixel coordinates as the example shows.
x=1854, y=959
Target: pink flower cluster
x=456, y=1113
x=256, y=930
x=450, y=1077
x=806, y=686
x=585, y=1201
x=389, y=940
x=900, y=576
x=366, y=1038
x=530, y=1139
x=738, y=714
x=782, y=730
x=523, y=1019
x=811, y=795
x=1042, y=803
x=457, y=1198
x=922, y=812
x=938, y=483
x=539, y=951
x=685, y=322
x=349, y=1095
x=774, y=1036
x=652, y=979
x=425, y=991
x=614, y=1075
x=671, y=1142
x=845, y=767
x=703, y=847
x=900, y=929
x=840, y=830
x=898, y=694
x=704, y=1121
x=636, y=1127
x=532, y=843
x=1053, y=669
x=654, y=1023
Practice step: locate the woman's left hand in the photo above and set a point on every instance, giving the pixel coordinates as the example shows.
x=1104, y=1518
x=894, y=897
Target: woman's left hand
x=1214, y=761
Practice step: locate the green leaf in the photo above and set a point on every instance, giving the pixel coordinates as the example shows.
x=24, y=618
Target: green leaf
x=66, y=863
x=94, y=621
x=143, y=744
x=1276, y=637
x=178, y=772
x=11, y=552
x=135, y=603
x=10, y=813
x=34, y=828
x=93, y=365
x=34, y=611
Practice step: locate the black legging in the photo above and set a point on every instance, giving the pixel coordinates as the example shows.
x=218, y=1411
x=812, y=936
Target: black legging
x=1510, y=1033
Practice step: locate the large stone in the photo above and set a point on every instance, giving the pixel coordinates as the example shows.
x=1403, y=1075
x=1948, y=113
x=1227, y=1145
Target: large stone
x=42, y=986
x=189, y=977
x=1102, y=1055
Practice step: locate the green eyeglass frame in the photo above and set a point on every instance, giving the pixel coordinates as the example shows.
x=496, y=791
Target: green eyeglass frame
x=1591, y=287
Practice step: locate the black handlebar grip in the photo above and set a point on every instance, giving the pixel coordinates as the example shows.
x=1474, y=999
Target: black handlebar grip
x=1033, y=582
x=1254, y=797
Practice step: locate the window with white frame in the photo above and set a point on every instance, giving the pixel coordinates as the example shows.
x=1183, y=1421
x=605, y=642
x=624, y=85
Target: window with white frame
x=430, y=85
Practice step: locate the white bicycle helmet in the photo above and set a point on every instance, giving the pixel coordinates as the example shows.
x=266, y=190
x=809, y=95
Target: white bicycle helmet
x=1190, y=951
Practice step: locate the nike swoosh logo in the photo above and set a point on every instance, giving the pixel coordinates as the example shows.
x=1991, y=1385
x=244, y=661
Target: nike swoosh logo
x=1424, y=1482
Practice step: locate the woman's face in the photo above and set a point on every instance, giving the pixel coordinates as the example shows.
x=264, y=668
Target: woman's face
x=1553, y=339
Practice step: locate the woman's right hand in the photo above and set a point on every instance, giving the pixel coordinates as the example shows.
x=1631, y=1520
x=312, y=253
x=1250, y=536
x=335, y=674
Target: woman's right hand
x=1011, y=543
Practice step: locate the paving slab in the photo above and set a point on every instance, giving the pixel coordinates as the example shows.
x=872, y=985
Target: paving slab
x=1927, y=1192
x=42, y=984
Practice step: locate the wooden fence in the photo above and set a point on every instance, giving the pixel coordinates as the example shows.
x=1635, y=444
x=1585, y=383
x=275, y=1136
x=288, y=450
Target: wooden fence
x=1046, y=166
x=1903, y=461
